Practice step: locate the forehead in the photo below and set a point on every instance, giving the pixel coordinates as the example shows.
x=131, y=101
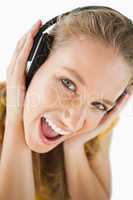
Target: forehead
x=101, y=66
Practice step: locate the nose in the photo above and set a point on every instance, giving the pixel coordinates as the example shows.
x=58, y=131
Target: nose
x=75, y=118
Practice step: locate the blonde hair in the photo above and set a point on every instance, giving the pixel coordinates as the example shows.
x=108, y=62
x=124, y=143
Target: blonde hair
x=112, y=28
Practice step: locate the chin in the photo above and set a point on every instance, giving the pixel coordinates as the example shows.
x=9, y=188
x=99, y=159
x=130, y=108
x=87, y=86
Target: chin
x=36, y=145
x=34, y=140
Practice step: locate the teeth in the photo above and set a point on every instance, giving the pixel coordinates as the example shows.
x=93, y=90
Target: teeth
x=57, y=129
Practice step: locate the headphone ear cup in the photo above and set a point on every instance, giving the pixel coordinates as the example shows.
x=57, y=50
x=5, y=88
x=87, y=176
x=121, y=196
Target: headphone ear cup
x=46, y=45
x=41, y=52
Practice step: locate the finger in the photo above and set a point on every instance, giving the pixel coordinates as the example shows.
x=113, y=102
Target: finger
x=16, y=52
x=23, y=56
x=35, y=28
x=22, y=40
x=116, y=110
x=33, y=31
x=106, y=122
x=20, y=45
x=120, y=104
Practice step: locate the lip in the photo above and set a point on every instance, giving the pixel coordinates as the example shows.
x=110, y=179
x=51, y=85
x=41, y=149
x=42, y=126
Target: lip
x=43, y=137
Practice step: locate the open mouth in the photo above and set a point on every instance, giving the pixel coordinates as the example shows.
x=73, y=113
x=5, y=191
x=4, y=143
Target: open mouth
x=47, y=133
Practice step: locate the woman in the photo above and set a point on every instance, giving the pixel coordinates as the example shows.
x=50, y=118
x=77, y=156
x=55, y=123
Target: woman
x=90, y=60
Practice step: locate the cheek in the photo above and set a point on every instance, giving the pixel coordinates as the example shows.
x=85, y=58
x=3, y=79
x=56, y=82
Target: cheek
x=54, y=96
x=90, y=126
x=51, y=95
x=39, y=98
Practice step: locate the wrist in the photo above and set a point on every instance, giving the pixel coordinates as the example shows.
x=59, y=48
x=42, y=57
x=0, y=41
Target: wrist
x=73, y=150
x=14, y=139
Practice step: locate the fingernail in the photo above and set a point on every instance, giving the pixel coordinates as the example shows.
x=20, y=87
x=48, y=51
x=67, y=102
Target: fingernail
x=37, y=22
x=125, y=92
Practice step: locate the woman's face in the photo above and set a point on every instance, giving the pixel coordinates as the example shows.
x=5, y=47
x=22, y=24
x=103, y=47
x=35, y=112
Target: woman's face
x=69, y=89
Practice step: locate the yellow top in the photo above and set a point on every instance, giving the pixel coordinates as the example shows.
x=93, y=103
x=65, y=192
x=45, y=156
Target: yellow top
x=38, y=198
x=101, y=136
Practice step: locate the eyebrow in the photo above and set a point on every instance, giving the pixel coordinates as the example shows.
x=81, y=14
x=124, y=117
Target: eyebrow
x=77, y=76
x=81, y=80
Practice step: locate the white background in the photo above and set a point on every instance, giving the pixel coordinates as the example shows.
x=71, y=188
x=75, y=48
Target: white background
x=16, y=17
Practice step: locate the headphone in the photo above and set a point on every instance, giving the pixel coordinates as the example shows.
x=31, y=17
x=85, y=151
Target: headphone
x=43, y=43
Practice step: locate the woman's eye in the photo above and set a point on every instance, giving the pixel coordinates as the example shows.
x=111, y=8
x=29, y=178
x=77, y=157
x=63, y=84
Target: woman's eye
x=101, y=106
x=68, y=84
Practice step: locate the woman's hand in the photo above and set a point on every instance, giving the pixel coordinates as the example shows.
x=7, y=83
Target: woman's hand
x=79, y=140
x=16, y=156
x=15, y=83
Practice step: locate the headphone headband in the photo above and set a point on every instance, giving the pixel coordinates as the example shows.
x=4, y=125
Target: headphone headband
x=43, y=42
x=54, y=19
